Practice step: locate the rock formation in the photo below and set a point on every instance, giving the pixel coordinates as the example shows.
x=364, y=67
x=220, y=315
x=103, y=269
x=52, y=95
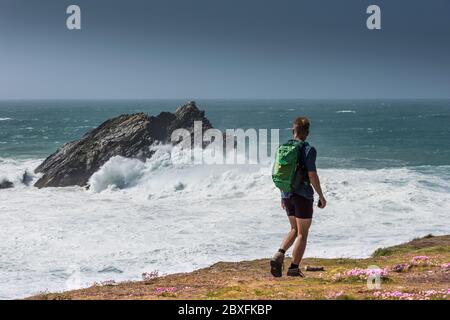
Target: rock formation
x=127, y=135
x=6, y=184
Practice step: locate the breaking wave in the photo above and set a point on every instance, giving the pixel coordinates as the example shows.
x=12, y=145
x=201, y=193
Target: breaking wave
x=19, y=172
x=170, y=172
x=346, y=111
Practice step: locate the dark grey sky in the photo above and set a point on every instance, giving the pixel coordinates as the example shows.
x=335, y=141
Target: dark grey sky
x=224, y=49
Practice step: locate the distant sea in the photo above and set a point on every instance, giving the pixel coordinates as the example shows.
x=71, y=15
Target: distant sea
x=384, y=164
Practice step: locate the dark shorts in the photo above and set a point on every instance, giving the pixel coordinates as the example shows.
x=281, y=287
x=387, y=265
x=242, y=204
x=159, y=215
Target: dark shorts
x=299, y=206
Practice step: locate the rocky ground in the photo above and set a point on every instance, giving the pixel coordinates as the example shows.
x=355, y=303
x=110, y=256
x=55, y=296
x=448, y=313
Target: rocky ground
x=419, y=269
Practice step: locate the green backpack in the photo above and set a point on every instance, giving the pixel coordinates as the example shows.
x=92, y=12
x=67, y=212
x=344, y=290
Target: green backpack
x=287, y=161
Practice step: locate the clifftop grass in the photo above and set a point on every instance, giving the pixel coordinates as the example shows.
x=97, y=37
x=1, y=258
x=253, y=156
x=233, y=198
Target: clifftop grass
x=418, y=269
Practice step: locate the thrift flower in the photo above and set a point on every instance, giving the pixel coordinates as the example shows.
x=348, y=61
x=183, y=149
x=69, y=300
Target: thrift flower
x=334, y=295
x=446, y=266
x=419, y=259
x=165, y=289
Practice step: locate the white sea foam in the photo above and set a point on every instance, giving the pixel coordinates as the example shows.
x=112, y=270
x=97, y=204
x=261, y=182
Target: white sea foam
x=118, y=172
x=169, y=215
x=13, y=170
x=5, y=119
x=346, y=111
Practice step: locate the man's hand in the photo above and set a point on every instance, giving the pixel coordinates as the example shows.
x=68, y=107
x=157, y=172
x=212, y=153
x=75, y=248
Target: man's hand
x=283, y=206
x=315, y=182
x=322, y=203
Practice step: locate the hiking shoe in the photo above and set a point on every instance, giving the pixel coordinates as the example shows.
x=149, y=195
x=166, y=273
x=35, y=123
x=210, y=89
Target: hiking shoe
x=276, y=264
x=295, y=272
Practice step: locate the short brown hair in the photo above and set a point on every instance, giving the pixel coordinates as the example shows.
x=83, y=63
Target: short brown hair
x=301, y=126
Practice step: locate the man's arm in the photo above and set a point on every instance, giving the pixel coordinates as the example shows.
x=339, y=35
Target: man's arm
x=315, y=182
x=310, y=165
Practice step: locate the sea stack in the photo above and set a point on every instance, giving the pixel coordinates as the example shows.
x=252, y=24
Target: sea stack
x=127, y=135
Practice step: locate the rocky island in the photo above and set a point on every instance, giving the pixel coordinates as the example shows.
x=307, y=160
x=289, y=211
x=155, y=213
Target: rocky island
x=129, y=136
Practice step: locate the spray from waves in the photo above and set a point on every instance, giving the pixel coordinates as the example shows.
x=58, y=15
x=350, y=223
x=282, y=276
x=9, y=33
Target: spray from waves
x=168, y=175
x=13, y=170
x=118, y=172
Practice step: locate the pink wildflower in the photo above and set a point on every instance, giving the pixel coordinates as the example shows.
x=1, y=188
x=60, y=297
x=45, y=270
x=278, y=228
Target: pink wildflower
x=165, y=289
x=418, y=259
x=395, y=295
x=334, y=295
x=363, y=273
x=430, y=293
x=446, y=266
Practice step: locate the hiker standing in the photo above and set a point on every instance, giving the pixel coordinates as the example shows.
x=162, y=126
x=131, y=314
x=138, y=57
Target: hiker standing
x=295, y=174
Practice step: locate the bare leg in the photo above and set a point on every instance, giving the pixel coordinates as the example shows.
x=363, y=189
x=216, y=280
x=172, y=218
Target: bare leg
x=302, y=238
x=276, y=263
x=292, y=234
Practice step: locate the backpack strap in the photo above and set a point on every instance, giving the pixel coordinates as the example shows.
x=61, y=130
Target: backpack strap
x=303, y=149
x=301, y=146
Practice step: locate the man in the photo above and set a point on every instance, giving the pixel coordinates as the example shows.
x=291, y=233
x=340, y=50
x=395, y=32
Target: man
x=299, y=205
